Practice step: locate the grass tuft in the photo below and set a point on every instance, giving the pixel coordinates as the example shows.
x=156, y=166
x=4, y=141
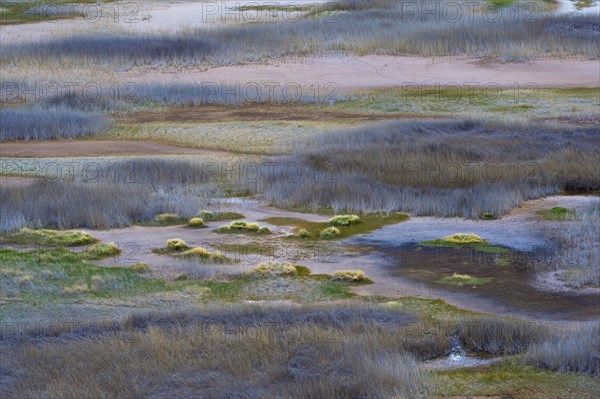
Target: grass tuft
x=344, y=220
x=196, y=223
x=168, y=219
x=101, y=251
x=140, y=267
x=177, y=245
x=269, y=269
x=351, y=276
x=329, y=232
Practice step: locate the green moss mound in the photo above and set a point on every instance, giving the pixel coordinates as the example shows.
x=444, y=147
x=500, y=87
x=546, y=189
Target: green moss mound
x=344, y=220
x=49, y=237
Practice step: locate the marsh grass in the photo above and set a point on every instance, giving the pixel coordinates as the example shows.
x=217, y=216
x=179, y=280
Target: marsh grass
x=465, y=168
x=369, y=222
x=274, y=269
x=238, y=227
x=112, y=195
x=459, y=240
x=51, y=237
x=573, y=351
x=557, y=214
x=511, y=378
x=350, y=276
x=196, y=223
x=463, y=279
x=100, y=251
x=58, y=275
x=220, y=216
x=575, y=257
x=353, y=32
x=167, y=219
x=345, y=350
x=37, y=123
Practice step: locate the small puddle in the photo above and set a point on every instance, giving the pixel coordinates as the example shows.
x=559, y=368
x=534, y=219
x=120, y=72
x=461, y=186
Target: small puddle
x=507, y=280
x=458, y=358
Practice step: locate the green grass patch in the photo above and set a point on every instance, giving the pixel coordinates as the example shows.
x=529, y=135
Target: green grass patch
x=243, y=227
x=501, y=3
x=274, y=8
x=100, y=251
x=196, y=223
x=219, y=216
x=350, y=276
x=344, y=220
x=558, y=214
x=50, y=237
x=253, y=248
x=205, y=255
x=168, y=219
x=22, y=12
x=512, y=379
x=312, y=230
x=463, y=279
x=179, y=248
x=58, y=275
x=465, y=240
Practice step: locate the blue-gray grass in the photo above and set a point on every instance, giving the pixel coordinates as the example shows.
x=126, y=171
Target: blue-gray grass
x=576, y=254
x=137, y=192
x=378, y=28
x=38, y=123
x=445, y=168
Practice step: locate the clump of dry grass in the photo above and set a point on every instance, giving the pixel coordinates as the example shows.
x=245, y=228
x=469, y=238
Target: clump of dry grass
x=344, y=220
x=140, y=267
x=177, y=245
x=243, y=227
x=166, y=219
x=101, y=251
x=329, y=232
x=267, y=269
x=353, y=276
x=206, y=255
x=196, y=223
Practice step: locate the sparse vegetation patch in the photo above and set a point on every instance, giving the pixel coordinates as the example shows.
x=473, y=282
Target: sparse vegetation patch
x=51, y=237
x=268, y=269
x=463, y=279
x=243, y=227
x=351, y=276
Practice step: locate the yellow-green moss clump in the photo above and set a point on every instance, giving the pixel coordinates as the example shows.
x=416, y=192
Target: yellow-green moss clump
x=344, y=220
x=274, y=269
x=243, y=227
x=167, y=219
x=329, y=232
x=463, y=279
x=140, y=267
x=101, y=251
x=464, y=239
x=177, y=245
x=352, y=276
x=204, y=254
x=196, y=223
